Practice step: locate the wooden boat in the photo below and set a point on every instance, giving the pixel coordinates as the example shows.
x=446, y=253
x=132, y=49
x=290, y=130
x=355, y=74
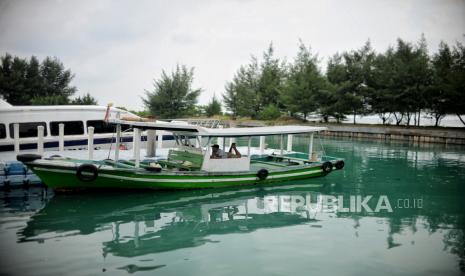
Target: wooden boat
x=190, y=165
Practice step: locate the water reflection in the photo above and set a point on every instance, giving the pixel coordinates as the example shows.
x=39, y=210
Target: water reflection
x=149, y=223
x=143, y=224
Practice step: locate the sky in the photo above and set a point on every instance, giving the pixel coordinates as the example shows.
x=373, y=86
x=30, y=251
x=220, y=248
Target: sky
x=117, y=48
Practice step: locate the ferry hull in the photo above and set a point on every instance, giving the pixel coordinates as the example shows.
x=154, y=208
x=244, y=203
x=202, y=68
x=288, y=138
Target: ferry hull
x=65, y=178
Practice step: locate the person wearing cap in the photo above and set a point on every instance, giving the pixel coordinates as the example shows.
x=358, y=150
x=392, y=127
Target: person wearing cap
x=219, y=154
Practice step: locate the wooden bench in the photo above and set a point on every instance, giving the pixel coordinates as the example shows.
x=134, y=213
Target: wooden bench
x=177, y=158
x=284, y=157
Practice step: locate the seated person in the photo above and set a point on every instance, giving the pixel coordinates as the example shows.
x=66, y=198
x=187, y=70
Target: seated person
x=219, y=154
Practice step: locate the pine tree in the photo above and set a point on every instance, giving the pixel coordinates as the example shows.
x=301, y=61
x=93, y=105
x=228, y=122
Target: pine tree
x=213, y=108
x=173, y=95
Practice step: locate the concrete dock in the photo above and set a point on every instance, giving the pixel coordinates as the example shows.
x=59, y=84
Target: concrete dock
x=407, y=134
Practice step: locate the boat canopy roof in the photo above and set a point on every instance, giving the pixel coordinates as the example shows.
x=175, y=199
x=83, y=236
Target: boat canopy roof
x=194, y=130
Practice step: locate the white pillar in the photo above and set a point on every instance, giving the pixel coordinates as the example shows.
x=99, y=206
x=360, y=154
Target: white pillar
x=90, y=142
x=61, y=137
x=136, y=146
x=262, y=144
x=231, y=141
x=117, y=142
x=198, y=142
x=310, y=147
x=16, y=136
x=134, y=143
x=281, y=144
x=220, y=142
x=40, y=140
x=151, y=137
x=289, y=142
x=249, y=143
x=160, y=141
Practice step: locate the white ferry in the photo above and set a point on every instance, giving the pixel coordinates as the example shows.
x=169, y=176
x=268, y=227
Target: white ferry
x=76, y=120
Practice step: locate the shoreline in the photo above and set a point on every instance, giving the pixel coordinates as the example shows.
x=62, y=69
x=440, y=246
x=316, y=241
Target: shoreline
x=412, y=134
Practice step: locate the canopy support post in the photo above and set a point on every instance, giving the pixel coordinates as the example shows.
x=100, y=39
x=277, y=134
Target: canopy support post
x=61, y=139
x=231, y=141
x=262, y=144
x=160, y=141
x=289, y=142
x=207, y=149
x=16, y=137
x=136, y=147
x=117, y=142
x=281, y=144
x=40, y=140
x=90, y=142
x=198, y=141
x=310, y=147
x=249, y=143
x=151, y=139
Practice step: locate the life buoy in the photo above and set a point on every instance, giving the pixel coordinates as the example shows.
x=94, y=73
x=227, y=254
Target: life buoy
x=28, y=157
x=87, y=168
x=262, y=174
x=327, y=167
x=339, y=164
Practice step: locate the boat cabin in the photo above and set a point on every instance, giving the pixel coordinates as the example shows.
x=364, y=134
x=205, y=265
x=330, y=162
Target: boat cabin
x=194, y=143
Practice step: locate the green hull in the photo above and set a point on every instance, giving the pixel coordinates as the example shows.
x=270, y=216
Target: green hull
x=63, y=177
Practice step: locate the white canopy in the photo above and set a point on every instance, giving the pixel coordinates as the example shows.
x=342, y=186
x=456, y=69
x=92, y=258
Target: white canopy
x=260, y=131
x=219, y=132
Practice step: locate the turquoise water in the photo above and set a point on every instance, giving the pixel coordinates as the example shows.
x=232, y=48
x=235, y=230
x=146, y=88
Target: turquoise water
x=291, y=229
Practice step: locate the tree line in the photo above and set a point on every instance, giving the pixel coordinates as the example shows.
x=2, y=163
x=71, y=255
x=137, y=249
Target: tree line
x=400, y=83
x=30, y=82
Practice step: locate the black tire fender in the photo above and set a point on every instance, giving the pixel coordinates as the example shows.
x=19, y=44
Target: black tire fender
x=327, y=167
x=88, y=168
x=262, y=174
x=339, y=164
x=28, y=157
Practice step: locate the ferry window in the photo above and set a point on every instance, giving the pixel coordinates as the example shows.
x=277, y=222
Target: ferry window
x=2, y=131
x=28, y=129
x=101, y=126
x=71, y=128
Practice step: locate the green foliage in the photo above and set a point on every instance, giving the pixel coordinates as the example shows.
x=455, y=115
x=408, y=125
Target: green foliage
x=173, y=96
x=242, y=96
x=412, y=78
x=448, y=95
x=141, y=113
x=381, y=98
x=255, y=86
x=305, y=84
x=50, y=100
x=271, y=112
x=270, y=79
x=87, y=99
x=25, y=82
x=350, y=75
x=401, y=83
x=213, y=108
